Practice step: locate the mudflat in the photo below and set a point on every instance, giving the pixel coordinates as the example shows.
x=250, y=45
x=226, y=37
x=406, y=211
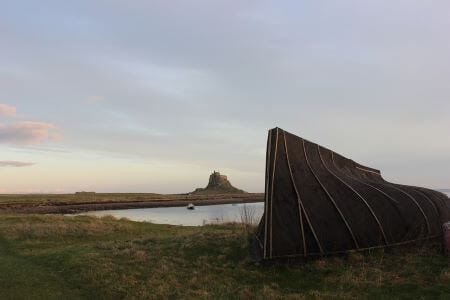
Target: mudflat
x=81, y=202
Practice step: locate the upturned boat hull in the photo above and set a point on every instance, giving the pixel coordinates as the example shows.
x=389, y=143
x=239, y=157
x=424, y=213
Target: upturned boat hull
x=318, y=202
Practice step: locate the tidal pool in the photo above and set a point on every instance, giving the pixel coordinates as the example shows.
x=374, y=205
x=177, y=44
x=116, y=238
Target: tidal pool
x=201, y=215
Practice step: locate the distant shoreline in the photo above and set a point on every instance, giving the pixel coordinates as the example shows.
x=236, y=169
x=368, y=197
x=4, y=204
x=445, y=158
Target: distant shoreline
x=68, y=208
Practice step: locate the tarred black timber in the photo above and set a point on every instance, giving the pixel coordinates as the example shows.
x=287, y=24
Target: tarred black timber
x=318, y=202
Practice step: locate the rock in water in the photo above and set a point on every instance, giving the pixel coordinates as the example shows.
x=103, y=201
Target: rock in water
x=218, y=184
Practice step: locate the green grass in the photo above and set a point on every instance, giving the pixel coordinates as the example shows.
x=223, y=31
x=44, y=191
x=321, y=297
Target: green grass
x=54, y=257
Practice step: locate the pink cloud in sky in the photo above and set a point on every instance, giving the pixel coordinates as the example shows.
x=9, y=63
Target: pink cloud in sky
x=28, y=132
x=7, y=110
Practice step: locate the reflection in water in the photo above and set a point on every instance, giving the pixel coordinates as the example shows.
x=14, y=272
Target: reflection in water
x=201, y=215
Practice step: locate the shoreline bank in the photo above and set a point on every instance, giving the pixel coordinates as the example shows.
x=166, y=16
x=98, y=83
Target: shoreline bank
x=115, y=205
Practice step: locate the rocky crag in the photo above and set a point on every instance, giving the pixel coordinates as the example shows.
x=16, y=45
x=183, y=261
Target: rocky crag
x=218, y=184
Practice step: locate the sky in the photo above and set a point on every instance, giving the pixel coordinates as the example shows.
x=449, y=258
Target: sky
x=152, y=96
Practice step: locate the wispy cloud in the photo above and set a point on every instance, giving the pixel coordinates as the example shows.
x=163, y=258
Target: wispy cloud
x=7, y=110
x=16, y=164
x=28, y=132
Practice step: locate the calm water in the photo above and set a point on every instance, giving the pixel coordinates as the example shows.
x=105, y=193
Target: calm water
x=201, y=215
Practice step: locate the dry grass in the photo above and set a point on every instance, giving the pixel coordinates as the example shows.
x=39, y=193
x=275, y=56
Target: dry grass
x=249, y=218
x=84, y=257
x=57, y=226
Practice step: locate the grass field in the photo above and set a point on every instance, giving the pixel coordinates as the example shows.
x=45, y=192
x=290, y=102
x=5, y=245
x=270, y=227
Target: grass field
x=54, y=257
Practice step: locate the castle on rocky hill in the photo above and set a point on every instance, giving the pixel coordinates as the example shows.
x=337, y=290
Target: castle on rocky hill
x=218, y=184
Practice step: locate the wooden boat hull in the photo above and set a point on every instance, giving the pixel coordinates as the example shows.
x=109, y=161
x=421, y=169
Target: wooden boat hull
x=318, y=202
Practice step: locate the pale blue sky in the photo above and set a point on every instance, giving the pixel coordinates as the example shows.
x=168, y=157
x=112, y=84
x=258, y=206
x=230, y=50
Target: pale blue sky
x=151, y=96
